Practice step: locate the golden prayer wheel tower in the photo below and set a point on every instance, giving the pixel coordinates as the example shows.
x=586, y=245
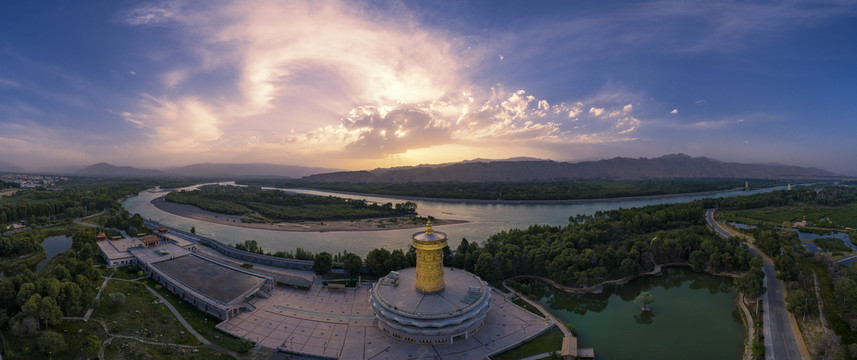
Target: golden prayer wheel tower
x=429, y=245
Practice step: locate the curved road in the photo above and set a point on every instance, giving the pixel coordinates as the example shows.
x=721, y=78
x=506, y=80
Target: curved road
x=780, y=340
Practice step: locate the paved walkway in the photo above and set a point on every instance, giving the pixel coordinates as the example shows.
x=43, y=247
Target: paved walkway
x=169, y=306
x=783, y=339
x=751, y=328
x=110, y=338
x=179, y=317
x=89, y=311
x=321, y=323
x=555, y=320
x=820, y=302
x=79, y=220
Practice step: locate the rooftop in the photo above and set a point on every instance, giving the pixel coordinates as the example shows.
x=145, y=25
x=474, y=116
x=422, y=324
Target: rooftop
x=117, y=249
x=212, y=279
x=454, y=298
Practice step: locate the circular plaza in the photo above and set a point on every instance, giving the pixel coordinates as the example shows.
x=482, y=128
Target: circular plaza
x=430, y=304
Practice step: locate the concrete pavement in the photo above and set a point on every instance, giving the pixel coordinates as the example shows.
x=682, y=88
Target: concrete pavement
x=781, y=338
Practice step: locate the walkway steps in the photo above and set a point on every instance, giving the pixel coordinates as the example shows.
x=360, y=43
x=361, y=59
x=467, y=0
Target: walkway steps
x=248, y=307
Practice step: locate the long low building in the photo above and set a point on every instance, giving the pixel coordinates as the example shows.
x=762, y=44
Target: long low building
x=115, y=252
x=217, y=288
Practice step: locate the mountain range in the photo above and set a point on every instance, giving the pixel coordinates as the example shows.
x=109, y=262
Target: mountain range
x=6, y=166
x=530, y=170
x=210, y=170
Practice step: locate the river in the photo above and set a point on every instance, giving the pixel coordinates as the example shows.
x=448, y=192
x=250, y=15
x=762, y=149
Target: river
x=483, y=220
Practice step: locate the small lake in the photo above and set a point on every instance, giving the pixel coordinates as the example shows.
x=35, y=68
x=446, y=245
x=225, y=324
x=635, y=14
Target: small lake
x=694, y=316
x=742, y=226
x=53, y=245
x=806, y=239
x=484, y=219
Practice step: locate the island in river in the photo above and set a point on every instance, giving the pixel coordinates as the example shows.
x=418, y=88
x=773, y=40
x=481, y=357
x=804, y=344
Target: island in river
x=385, y=223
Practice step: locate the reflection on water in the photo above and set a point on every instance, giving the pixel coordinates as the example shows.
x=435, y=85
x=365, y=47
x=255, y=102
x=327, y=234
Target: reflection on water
x=694, y=317
x=53, y=245
x=484, y=220
x=742, y=226
x=807, y=237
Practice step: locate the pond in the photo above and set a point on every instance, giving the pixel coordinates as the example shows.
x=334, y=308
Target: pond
x=694, y=316
x=484, y=219
x=742, y=226
x=53, y=245
x=806, y=239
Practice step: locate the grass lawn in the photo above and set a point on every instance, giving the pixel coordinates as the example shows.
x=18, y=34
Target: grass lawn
x=845, y=215
x=522, y=303
x=127, y=272
x=201, y=322
x=139, y=315
x=547, y=342
x=130, y=349
x=74, y=334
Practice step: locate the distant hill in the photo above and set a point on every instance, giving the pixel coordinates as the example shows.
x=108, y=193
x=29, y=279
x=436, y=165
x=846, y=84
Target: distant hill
x=247, y=170
x=105, y=169
x=205, y=170
x=6, y=166
x=380, y=171
x=666, y=167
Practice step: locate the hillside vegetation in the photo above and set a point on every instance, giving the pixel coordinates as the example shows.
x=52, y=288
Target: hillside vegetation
x=282, y=206
x=554, y=190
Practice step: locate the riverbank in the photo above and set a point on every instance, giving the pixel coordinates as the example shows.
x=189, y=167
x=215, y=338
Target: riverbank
x=389, y=223
x=599, y=288
x=523, y=202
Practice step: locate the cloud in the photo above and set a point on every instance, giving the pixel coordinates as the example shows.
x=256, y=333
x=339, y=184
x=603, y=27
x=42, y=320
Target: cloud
x=340, y=80
x=674, y=111
x=8, y=83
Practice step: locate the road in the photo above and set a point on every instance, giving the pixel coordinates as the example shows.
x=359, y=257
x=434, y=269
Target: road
x=780, y=340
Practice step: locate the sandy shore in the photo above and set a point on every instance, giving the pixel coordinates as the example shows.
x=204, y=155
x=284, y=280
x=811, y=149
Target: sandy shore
x=389, y=223
x=527, y=202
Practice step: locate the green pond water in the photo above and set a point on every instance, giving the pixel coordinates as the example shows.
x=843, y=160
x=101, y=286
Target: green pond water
x=695, y=316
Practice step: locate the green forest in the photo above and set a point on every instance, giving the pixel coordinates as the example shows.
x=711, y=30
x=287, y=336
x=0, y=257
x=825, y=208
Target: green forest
x=826, y=208
x=556, y=190
x=32, y=305
x=282, y=206
x=71, y=199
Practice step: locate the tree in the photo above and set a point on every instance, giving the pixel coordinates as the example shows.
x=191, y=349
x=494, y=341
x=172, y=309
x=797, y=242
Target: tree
x=244, y=345
x=50, y=312
x=116, y=299
x=377, y=260
x=645, y=299
x=485, y=266
x=50, y=342
x=93, y=346
x=28, y=326
x=322, y=263
x=752, y=284
x=352, y=263
x=845, y=293
x=698, y=259
x=31, y=307
x=397, y=261
x=786, y=267
x=193, y=229
x=798, y=302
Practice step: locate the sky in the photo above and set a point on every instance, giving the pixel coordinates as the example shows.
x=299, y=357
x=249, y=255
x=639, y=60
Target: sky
x=359, y=85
